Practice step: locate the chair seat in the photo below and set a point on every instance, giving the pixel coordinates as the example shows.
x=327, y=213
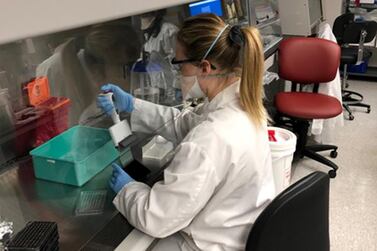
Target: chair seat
x=306, y=105
x=349, y=55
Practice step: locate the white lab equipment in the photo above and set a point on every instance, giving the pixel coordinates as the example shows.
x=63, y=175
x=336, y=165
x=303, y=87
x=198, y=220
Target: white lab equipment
x=268, y=77
x=367, y=1
x=121, y=129
x=283, y=145
x=151, y=94
x=218, y=182
x=156, y=152
x=300, y=17
x=264, y=11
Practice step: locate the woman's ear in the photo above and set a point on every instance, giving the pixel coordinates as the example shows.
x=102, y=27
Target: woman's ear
x=205, y=67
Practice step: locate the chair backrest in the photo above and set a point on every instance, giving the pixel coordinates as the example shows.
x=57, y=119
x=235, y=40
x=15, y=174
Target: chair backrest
x=308, y=60
x=340, y=23
x=347, y=30
x=297, y=219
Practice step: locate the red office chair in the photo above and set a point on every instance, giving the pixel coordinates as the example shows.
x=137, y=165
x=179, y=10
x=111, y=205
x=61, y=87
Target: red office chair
x=308, y=61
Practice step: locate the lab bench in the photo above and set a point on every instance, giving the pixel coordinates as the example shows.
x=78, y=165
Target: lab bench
x=25, y=198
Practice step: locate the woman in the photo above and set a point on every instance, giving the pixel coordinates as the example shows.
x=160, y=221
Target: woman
x=220, y=178
x=158, y=49
x=75, y=73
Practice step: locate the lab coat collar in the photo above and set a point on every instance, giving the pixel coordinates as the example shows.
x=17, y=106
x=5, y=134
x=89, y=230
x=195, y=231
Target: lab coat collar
x=226, y=96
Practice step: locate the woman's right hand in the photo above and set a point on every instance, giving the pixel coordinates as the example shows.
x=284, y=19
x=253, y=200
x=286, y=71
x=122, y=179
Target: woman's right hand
x=123, y=101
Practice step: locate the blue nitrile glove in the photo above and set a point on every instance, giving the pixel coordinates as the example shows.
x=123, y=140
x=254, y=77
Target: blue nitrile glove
x=123, y=101
x=119, y=178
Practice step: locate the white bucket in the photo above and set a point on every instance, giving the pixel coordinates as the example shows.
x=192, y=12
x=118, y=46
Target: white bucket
x=282, y=145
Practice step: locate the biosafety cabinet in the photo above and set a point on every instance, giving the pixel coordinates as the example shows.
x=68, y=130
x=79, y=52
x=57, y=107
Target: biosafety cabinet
x=18, y=19
x=54, y=56
x=58, y=40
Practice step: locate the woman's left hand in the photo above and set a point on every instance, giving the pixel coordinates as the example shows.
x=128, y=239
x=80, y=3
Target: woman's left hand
x=119, y=178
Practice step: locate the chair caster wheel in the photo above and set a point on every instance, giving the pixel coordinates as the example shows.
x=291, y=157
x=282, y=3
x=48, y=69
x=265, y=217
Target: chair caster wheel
x=351, y=117
x=368, y=110
x=333, y=154
x=332, y=173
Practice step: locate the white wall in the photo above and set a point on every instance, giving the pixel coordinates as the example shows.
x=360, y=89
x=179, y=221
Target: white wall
x=332, y=9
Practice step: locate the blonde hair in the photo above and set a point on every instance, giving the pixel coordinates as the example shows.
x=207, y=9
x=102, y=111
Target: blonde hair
x=198, y=33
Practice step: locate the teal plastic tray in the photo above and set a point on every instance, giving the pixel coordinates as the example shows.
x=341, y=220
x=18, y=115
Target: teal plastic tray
x=75, y=156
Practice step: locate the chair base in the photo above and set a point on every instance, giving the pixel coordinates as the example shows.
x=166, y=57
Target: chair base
x=351, y=98
x=348, y=101
x=310, y=151
x=347, y=97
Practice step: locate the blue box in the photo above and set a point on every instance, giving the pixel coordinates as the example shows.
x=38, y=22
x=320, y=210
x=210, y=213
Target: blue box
x=208, y=6
x=361, y=68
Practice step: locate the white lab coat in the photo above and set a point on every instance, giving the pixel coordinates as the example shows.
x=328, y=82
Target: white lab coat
x=67, y=78
x=323, y=129
x=218, y=183
x=72, y=77
x=164, y=42
x=162, y=51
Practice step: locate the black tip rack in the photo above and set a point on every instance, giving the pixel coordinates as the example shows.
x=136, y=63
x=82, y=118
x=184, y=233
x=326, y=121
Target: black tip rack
x=36, y=236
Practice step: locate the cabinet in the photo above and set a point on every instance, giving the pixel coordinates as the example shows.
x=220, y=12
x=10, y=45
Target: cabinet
x=265, y=15
x=300, y=17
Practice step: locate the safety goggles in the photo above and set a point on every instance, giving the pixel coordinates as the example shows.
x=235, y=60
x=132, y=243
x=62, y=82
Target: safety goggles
x=174, y=61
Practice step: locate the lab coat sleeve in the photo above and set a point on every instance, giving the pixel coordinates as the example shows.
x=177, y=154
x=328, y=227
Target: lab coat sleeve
x=166, y=121
x=171, y=204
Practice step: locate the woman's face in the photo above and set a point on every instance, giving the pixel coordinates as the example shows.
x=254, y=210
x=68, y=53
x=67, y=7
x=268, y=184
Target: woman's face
x=187, y=69
x=203, y=71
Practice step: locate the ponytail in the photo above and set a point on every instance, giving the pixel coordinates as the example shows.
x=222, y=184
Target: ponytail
x=251, y=87
x=198, y=34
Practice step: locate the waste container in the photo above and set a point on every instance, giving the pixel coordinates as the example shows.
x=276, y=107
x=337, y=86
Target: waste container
x=54, y=119
x=282, y=145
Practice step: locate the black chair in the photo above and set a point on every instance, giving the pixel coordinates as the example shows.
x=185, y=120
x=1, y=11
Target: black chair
x=348, y=31
x=296, y=220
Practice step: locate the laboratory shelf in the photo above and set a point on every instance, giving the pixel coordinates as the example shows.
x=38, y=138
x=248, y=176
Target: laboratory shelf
x=268, y=22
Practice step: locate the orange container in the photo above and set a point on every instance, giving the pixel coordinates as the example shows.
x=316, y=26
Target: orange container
x=38, y=91
x=55, y=110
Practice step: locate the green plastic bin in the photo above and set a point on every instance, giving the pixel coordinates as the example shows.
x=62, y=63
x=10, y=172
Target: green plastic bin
x=75, y=156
